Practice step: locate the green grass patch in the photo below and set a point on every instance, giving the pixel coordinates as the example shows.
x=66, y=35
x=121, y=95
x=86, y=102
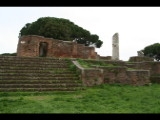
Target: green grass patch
x=93, y=63
x=131, y=69
x=104, y=98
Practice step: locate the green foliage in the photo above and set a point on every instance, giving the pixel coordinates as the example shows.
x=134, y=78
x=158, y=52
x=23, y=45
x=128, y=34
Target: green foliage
x=84, y=63
x=9, y=54
x=91, y=63
x=152, y=51
x=131, y=69
x=63, y=29
x=105, y=98
x=72, y=67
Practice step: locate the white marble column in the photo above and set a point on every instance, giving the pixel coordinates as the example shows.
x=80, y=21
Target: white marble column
x=115, y=47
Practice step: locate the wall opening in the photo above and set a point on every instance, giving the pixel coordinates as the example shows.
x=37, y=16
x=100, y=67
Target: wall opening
x=43, y=47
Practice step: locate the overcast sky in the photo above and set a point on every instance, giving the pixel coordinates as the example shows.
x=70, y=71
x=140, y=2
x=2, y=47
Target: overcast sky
x=138, y=27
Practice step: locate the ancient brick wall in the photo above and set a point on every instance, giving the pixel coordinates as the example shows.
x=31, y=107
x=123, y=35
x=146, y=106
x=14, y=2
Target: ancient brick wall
x=30, y=46
x=124, y=76
x=114, y=75
x=105, y=57
x=138, y=77
x=140, y=59
x=91, y=77
x=116, y=63
x=154, y=67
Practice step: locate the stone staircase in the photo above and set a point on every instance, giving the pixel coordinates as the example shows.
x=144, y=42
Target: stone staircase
x=37, y=74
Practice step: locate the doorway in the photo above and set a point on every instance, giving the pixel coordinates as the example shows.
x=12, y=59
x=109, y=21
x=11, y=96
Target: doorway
x=43, y=47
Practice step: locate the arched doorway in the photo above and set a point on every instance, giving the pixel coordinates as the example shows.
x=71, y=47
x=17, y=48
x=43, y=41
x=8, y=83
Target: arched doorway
x=43, y=47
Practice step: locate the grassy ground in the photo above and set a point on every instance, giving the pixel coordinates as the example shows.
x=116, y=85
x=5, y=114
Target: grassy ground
x=98, y=99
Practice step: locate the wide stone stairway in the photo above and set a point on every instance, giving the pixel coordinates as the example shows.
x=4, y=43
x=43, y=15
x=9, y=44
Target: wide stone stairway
x=37, y=74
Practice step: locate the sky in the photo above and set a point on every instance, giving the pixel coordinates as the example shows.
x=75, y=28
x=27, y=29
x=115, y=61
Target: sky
x=137, y=27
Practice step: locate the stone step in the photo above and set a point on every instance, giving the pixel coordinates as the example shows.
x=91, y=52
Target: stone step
x=37, y=74
x=33, y=68
x=40, y=89
x=130, y=65
x=35, y=78
x=39, y=81
x=48, y=74
x=34, y=65
x=40, y=85
x=35, y=62
x=155, y=78
x=31, y=59
x=6, y=62
x=10, y=58
x=36, y=71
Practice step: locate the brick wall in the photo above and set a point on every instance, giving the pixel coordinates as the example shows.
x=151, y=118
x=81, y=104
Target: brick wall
x=114, y=75
x=91, y=77
x=140, y=59
x=105, y=57
x=138, y=77
x=124, y=76
x=154, y=67
x=29, y=46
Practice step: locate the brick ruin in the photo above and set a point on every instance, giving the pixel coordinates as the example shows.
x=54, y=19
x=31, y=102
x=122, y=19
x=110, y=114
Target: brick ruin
x=139, y=70
x=133, y=73
x=38, y=46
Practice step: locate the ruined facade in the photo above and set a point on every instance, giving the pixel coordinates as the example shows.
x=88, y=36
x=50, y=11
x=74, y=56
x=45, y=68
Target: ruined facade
x=140, y=53
x=38, y=46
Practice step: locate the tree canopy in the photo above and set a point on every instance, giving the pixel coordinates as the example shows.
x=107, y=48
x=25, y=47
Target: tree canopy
x=8, y=54
x=60, y=28
x=153, y=51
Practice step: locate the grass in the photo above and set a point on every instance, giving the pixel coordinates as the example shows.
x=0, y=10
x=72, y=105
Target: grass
x=98, y=99
x=91, y=63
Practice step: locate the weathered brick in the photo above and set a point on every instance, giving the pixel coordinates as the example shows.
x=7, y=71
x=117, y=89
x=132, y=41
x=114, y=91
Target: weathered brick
x=30, y=46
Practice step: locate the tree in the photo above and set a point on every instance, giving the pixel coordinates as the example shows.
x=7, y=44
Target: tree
x=8, y=54
x=63, y=29
x=152, y=51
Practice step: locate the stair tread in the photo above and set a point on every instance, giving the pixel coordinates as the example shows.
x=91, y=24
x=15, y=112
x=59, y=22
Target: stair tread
x=36, y=73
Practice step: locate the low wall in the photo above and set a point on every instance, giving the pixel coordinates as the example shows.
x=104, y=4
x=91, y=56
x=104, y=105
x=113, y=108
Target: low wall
x=90, y=77
x=124, y=76
x=105, y=57
x=138, y=77
x=154, y=67
x=114, y=74
x=115, y=63
x=140, y=59
x=111, y=75
x=155, y=79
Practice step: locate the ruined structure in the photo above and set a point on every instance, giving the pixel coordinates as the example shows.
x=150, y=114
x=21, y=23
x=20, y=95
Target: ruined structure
x=115, y=47
x=140, y=53
x=33, y=46
x=27, y=75
x=140, y=58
